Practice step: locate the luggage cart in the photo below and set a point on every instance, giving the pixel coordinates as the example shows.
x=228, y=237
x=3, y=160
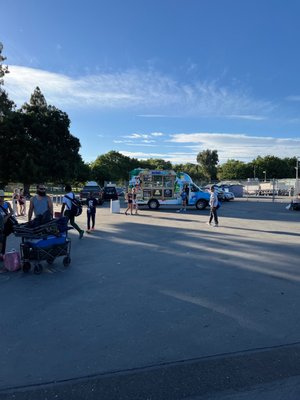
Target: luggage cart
x=44, y=242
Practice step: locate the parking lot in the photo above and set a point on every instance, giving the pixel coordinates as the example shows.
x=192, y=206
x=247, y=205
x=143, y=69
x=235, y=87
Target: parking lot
x=154, y=294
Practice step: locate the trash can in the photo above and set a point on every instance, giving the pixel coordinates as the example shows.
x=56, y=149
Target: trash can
x=115, y=206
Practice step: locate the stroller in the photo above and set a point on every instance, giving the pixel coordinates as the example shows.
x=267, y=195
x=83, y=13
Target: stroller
x=43, y=241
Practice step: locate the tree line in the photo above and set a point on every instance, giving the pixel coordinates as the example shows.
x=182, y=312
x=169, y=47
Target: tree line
x=37, y=146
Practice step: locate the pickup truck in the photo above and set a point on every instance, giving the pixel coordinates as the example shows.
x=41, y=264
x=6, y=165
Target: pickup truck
x=96, y=191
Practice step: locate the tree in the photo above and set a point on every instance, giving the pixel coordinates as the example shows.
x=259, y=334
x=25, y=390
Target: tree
x=193, y=170
x=208, y=160
x=156, y=163
x=38, y=146
x=6, y=105
x=112, y=166
x=234, y=169
x=274, y=167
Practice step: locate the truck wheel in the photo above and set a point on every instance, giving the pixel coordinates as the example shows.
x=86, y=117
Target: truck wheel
x=153, y=204
x=201, y=204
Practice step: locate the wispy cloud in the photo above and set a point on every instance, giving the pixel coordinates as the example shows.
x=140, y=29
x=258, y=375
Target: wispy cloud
x=238, y=146
x=184, y=147
x=145, y=136
x=159, y=116
x=174, y=158
x=247, y=117
x=149, y=91
x=293, y=98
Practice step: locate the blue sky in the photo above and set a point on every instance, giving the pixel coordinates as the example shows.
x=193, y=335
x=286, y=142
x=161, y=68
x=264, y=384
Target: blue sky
x=162, y=78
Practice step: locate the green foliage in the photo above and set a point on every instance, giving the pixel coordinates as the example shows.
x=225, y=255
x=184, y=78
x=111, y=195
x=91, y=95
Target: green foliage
x=234, y=170
x=37, y=145
x=156, y=163
x=6, y=105
x=208, y=160
x=275, y=167
x=112, y=166
x=193, y=170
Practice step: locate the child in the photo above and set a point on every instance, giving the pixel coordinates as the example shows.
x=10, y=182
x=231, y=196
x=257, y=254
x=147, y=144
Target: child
x=183, y=196
x=91, y=203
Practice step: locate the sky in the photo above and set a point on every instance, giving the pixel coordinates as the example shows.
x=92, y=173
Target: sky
x=162, y=78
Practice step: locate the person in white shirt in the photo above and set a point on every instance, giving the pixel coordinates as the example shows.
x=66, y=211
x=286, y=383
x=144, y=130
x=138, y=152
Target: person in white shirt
x=67, y=204
x=213, y=203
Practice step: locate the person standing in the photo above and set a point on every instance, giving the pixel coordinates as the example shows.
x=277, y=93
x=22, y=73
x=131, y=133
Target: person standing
x=134, y=201
x=183, y=196
x=67, y=204
x=213, y=203
x=91, y=203
x=15, y=202
x=129, y=198
x=40, y=203
x=187, y=190
x=22, y=203
x=5, y=212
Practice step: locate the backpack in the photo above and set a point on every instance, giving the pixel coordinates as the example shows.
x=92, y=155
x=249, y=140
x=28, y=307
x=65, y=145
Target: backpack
x=76, y=207
x=219, y=204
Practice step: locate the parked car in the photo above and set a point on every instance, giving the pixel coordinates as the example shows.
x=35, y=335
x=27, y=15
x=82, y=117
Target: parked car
x=120, y=191
x=110, y=193
x=223, y=193
x=228, y=195
x=95, y=189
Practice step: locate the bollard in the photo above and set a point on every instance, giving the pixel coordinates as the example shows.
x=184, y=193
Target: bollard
x=115, y=206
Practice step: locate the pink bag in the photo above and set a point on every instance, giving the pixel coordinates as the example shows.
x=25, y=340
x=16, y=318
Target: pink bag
x=12, y=260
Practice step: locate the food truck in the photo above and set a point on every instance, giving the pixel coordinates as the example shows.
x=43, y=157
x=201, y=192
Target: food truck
x=155, y=188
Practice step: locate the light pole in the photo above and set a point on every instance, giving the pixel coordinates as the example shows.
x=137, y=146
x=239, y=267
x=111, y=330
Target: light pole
x=265, y=172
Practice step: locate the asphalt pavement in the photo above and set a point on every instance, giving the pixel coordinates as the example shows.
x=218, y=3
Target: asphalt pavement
x=160, y=306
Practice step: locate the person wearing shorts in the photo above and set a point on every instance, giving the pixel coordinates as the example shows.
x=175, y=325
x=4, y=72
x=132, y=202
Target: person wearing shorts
x=130, y=202
x=134, y=202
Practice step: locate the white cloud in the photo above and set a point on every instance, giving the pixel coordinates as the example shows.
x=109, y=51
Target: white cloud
x=156, y=134
x=293, y=98
x=145, y=136
x=238, y=146
x=174, y=158
x=137, y=136
x=158, y=116
x=133, y=89
x=247, y=117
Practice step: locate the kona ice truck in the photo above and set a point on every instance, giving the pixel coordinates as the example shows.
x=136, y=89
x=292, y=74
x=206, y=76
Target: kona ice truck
x=156, y=188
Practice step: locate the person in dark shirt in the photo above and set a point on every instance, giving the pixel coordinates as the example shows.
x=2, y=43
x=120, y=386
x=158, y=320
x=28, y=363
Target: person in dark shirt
x=183, y=196
x=187, y=191
x=129, y=198
x=91, y=203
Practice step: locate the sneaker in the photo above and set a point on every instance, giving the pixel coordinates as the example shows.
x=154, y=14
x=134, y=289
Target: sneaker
x=208, y=223
x=92, y=229
x=81, y=234
x=178, y=210
x=216, y=225
x=88, y=231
